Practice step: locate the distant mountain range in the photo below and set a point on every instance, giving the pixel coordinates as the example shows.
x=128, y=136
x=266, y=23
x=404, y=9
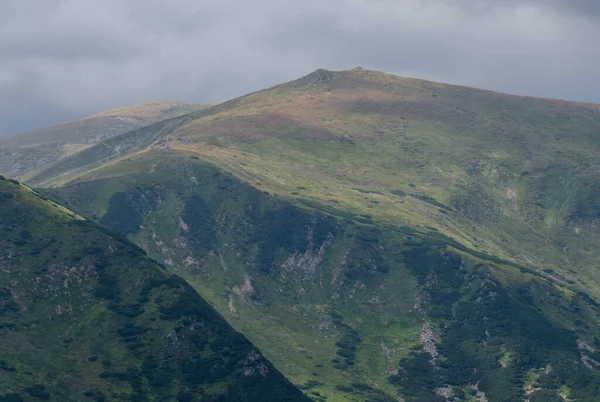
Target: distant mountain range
x=24, y=153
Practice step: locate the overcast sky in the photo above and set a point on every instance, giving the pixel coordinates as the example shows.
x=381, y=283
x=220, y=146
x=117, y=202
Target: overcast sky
x=64, y=59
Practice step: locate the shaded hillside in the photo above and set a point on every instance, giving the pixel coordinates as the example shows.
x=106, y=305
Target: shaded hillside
x=377, y=237
x=86, y=316
x=508, y=175
x=347, y=308
x=20, y=154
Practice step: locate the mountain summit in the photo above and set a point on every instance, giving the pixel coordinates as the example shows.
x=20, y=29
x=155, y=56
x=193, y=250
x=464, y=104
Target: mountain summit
x=377, y=237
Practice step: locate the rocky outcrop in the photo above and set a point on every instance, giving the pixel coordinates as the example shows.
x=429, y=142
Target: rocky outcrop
x=428, y=340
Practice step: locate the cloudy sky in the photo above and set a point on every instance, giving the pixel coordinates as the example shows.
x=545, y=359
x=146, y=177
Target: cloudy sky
x=64, y=59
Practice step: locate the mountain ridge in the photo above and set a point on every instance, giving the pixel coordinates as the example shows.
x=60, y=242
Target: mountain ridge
x=358, y=226
x=214, y=117
x=142, y=112
x=23, y=153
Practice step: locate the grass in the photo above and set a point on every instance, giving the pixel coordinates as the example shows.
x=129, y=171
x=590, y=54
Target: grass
x=278, y=323
x=289, y=313
x=27, y=155
x=503, y=182
x=86, y=313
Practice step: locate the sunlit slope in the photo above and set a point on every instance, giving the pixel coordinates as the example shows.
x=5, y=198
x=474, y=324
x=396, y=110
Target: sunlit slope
x=508, y=175
x=358, y=226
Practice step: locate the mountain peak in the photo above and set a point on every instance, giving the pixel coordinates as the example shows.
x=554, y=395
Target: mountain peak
x=423, y=208
x=318, y=78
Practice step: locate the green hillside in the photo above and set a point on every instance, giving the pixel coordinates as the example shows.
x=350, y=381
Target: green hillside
x=517, y=172
x=86, y=316
x=21, y=155
x=377, y=237
x=347, y=308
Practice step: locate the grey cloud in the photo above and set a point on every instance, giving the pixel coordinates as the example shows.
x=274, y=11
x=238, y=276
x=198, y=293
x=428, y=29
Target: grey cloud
x=587, y=8
x=80, y=56
x=24, y=105
x=65, y=47
x=180, y=17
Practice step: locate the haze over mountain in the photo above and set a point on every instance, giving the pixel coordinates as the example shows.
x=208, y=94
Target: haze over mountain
x=21, y=154
x=377, y=237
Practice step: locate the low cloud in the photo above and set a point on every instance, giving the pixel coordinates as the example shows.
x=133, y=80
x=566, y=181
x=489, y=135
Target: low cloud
x=64, y=59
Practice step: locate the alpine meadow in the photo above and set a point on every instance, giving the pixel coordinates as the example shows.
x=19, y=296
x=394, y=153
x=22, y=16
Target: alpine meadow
x=374, y=237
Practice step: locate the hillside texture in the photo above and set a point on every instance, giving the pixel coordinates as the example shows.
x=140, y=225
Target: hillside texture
x=22, y=154
x=379, y=238
x=349, y=309
x=85, y=316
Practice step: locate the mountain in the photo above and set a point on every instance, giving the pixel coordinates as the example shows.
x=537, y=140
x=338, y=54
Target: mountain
x=377, y=237
x=23, y=153
x=87, y=316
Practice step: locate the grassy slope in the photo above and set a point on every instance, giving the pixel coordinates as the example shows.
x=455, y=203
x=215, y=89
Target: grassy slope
x=21, y=155
x=298, y=332
x=518, y=172
x=502, y=175
x=87, y=316
x=518, y=169
x=335, y=301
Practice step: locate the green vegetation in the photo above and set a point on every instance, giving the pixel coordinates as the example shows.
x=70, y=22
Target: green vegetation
x=373, y=240
x=267, y=255
x=487, y=319
x=85, y=315
x=200, y=224
x=346, y=345
x=346, y=315
x=24, y=155
x=122, y=216
x=432, y=201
